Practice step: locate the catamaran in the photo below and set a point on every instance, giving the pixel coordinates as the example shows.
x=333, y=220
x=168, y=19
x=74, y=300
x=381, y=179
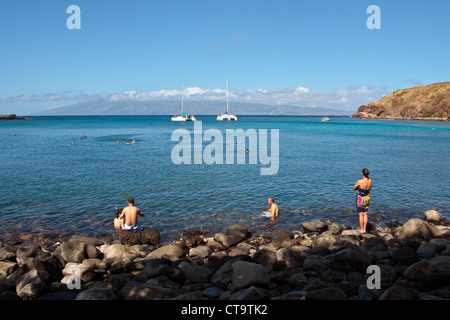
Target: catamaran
x=184, y=116
x=226, y=115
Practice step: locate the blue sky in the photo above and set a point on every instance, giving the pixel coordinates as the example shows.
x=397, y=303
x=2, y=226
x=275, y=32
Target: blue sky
x=308, y=53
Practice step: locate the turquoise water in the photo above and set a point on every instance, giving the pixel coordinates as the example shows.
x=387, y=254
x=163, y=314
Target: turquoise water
x=48, y=184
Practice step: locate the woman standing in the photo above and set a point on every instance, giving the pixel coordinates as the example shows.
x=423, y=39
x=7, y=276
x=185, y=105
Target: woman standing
x=363, y=187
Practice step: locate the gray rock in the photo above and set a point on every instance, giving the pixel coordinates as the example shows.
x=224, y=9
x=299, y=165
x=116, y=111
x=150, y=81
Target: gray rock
x=405, y=255
x=72, y=251
x=293, y=256
x=352, y=258
x=416, y=228
x=97, y=293
x=228, y=240
x=251, y=293
x=116, y=252
x=238, y=229
x=325, y=240
x=433, y=217
x=440, y=263
x=88, y=240
x=203, y=251
x=316, y=263
x=30, y=285
x=151, y=270
x=441, y=243
x=281, y=235
x=195, y=273
x=8, y=253
x=32, y=251
x=331, y=293
x=314, y=226
x=417, y=269
x=396, y=293
x=246, y=274
x=149, y=292
x=7, y=267
x=297, y=280
x=265, y=256
x=427, y=250
x=170, y=251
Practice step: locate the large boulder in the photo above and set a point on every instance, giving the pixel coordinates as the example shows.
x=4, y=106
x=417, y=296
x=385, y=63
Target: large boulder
x=195, y=273
x=170, y=251
x=416, y=228
x=314, y=226
x=246, y=274
x=117, y=252
x=30, y=285
x=351, y=259
x=72, y=251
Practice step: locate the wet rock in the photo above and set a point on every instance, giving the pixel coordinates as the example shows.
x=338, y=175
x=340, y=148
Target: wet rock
x=148, y=236
x=314, y=226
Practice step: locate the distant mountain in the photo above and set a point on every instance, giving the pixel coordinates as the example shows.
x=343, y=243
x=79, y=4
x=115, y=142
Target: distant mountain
x=430, y=102
x=104, y=107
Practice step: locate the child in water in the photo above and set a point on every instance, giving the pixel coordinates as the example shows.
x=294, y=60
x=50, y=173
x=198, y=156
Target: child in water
x=118, y=223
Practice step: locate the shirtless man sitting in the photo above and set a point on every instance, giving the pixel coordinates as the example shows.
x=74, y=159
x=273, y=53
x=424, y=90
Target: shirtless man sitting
x=131, y=216
x=274, y=211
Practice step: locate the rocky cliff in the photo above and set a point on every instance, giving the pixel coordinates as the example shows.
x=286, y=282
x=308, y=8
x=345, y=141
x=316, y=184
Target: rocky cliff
x=430, y=102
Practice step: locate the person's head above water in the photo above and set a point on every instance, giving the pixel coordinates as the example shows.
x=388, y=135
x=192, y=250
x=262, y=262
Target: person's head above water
x=131, y=201
x=270, y=200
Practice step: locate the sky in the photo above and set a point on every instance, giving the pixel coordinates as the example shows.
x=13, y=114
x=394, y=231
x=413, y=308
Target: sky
x=317, y=53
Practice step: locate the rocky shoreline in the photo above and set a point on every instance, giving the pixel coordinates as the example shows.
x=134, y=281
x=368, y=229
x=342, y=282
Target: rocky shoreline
x=12, y=117
x=325, y=261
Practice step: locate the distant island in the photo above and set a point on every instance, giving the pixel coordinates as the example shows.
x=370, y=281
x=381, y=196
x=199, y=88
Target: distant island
x=12, y=117
x=171, y=107
x=429, y=102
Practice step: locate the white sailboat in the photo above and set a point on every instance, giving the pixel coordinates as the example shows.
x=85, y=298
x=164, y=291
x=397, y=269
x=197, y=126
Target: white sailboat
x=183, y=116
x=226, y=115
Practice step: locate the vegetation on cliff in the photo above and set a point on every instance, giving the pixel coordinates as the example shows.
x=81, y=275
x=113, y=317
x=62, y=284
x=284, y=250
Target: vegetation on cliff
x=431, y=102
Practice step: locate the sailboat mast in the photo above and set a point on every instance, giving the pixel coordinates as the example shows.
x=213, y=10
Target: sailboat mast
x=182, y=90
x=227, y=96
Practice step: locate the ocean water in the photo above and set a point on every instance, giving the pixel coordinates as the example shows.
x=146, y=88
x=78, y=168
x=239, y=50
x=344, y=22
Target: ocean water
x=48, y=184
